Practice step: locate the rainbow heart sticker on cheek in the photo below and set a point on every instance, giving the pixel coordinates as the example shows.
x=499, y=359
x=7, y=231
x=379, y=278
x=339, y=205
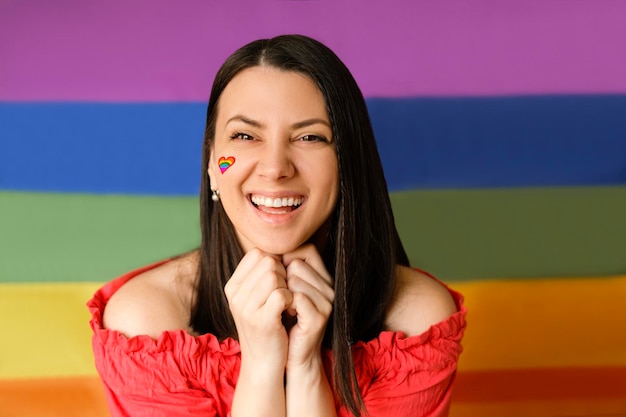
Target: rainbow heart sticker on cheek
x=225, y=163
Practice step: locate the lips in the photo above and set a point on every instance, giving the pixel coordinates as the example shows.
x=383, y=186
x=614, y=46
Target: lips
x=276, y=205
x=276, y=202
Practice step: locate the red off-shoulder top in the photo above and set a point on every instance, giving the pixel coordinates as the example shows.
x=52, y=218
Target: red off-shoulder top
x=179, y=374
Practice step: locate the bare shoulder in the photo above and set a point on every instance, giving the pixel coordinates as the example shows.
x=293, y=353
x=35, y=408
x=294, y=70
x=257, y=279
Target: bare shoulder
x=420, y=302
x=154, y=301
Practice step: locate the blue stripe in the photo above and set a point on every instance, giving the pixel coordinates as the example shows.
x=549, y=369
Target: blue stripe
x=502, y=142
x=102, y=148
x=424, y=143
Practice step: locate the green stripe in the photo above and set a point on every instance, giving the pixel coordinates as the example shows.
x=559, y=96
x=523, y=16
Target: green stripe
x=456, y=234
x=79, y=237
x=529, y=232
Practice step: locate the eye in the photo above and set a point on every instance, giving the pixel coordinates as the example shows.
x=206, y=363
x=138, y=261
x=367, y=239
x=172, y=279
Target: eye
x=241, y=136
x=312, y=138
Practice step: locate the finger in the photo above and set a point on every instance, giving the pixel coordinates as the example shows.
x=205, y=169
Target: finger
x=268, y=273
x=309, y=315
x=278, y=301
x=256, y=297
x=309, y=254
x=322, y=305
x=322, y=300
x=255, y=281
x=247, y=263
x=302, y=278
x=250, y=261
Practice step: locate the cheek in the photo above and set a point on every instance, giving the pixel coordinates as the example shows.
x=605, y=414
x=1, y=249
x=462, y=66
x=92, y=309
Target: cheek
x=231, y=170
x=328, y=177
x=335, y=183
x=333, y=174
x=224, y=163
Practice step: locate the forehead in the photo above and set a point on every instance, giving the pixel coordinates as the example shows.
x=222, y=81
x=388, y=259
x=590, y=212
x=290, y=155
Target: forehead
x=268, y=91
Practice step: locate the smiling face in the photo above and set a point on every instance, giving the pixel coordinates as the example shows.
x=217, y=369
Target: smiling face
x=274, y=159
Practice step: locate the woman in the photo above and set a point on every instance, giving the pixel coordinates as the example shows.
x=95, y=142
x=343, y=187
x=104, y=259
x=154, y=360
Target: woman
x=300, y=300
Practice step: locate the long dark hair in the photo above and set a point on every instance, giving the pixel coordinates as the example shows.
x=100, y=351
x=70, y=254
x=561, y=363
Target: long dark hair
x=363, y=246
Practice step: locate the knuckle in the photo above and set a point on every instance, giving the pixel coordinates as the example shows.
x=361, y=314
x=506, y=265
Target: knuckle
x=328, y=295
x=268, y=261
x=274, y=281
x=294, y=283
x=299, y=297
x=229, y=290
x=327, y=308
x=253, y=256
x=296, y=264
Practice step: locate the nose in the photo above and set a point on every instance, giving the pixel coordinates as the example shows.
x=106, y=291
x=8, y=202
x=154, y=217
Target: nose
x=275, y=161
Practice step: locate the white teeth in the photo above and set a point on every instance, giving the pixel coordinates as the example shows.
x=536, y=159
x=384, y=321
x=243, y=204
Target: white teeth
x=276, y=202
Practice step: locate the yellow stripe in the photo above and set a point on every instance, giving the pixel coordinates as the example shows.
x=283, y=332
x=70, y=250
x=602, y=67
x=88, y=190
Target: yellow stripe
x=512, y=324
x=45, y=330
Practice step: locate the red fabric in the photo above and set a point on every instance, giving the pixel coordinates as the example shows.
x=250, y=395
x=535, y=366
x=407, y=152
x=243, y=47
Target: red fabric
x=180, y=375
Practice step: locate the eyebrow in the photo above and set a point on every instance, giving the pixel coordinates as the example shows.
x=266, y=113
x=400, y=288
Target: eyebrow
x=243, y=119
x=298, y=125
x=310, y=122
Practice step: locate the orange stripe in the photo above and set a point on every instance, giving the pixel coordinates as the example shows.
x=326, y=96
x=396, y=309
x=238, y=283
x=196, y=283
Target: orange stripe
x=539, y=392
x=544, y=323
x=52, y=397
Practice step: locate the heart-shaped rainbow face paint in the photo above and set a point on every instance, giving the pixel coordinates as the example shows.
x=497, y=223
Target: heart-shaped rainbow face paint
x=225, y=163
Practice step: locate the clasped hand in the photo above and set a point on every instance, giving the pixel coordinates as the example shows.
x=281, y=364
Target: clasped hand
x=265, y=287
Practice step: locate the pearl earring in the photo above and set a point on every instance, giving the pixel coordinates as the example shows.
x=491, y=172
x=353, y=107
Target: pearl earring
x=216, y=195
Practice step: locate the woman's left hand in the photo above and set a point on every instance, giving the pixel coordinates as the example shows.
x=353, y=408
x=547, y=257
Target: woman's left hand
x=313, y=294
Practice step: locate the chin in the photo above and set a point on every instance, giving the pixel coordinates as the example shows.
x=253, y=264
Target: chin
x=279, y=243
x=273, y=243
x=278, y=249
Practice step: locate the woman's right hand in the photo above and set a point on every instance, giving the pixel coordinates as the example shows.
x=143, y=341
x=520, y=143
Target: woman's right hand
x=257, y=296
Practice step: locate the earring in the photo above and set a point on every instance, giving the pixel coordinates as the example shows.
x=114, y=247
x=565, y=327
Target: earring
x=216, y=195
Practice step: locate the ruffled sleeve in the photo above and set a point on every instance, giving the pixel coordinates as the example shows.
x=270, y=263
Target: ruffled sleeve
x=176, y=375
x=412, y=376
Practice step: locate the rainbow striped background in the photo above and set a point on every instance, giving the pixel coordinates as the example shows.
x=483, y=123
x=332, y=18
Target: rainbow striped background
x=502, y=128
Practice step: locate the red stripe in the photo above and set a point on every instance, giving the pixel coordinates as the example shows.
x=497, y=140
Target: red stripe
x=541, y=384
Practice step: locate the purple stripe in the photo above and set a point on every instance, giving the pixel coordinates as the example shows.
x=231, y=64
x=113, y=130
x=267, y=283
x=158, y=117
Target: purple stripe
x=160, y=50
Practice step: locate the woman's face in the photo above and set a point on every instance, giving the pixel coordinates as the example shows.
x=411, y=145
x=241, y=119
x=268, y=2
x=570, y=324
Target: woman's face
x=274, y=159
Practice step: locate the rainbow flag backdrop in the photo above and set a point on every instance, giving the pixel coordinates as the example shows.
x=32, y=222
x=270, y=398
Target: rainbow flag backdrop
x=502, y=129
